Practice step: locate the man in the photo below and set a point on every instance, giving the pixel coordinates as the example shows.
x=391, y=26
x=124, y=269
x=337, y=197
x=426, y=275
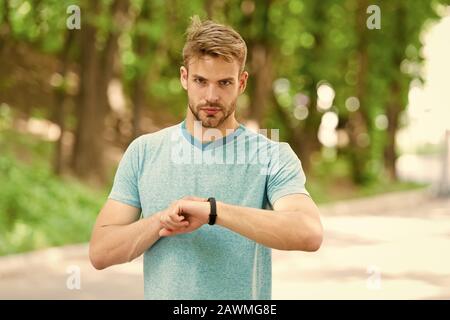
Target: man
x=196, y=247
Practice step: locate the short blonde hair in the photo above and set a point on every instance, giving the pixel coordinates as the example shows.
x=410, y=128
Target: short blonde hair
x=217, y=40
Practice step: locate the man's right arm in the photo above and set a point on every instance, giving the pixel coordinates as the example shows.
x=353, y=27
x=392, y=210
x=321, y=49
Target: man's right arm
x=119, y=235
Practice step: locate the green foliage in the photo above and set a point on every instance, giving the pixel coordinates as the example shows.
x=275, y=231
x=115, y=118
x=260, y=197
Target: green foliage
x=40, y=22
x=38, y=209
x=330, y=182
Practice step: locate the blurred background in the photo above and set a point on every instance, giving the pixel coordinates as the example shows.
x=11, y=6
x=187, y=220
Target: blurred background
x=367, y=110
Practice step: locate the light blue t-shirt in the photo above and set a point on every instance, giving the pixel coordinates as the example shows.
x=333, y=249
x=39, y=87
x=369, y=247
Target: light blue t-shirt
x=244, y=168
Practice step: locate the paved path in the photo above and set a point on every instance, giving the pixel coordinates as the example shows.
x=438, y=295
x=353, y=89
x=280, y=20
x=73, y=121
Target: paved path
x=394, y=246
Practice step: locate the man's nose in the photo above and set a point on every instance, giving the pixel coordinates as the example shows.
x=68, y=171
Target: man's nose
x=211, y=93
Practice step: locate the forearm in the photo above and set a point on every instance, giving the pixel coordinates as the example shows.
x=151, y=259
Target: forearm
x=123, y=243
x=281, y=230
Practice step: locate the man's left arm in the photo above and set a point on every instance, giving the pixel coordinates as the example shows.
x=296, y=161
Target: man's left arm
x=294, y=224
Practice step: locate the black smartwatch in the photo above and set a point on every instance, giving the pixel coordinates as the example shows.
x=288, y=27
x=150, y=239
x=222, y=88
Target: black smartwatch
x=213, y=212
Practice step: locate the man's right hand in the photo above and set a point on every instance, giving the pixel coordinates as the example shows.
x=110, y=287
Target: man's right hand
x=172, y=218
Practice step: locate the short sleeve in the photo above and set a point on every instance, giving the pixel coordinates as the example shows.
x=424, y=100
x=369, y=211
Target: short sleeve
x=286, y=174
x=125, y=186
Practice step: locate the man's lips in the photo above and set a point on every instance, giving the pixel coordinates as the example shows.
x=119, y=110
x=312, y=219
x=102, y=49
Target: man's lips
x=210, y=111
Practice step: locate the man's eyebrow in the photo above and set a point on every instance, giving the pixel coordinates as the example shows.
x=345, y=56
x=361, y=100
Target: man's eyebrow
x=198, y=76
x=231, y=79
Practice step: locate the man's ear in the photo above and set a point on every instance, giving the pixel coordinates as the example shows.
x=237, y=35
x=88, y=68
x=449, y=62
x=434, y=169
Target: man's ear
x=243, y=81
x=183, y=77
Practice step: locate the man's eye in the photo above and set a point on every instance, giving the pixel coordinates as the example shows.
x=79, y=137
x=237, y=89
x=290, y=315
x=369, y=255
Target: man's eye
x=200, y=81
x=225, y=83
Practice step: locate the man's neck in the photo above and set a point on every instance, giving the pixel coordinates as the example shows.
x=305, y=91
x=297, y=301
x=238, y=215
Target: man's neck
x=195, y=128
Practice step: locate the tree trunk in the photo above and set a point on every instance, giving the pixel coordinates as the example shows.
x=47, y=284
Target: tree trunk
x=303, y=141
x=139, y=83
x=357, y=125
x=393, y=112
x=88, y=152
x=138, y=98
x=60, y=101
x=395, y=103
x=304, y=137
x=209, y=8
x=96, y=72
x=262, y=73
x=263, y=78
x=5, y=27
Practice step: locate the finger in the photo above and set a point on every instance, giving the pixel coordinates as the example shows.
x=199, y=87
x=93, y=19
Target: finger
x=180, y=225
x=177, y=220
x=164, y=221
x=167, y=222
x=172, y=218
x=172, y=225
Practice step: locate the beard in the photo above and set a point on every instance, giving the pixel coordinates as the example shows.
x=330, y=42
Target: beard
x=215, y=120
